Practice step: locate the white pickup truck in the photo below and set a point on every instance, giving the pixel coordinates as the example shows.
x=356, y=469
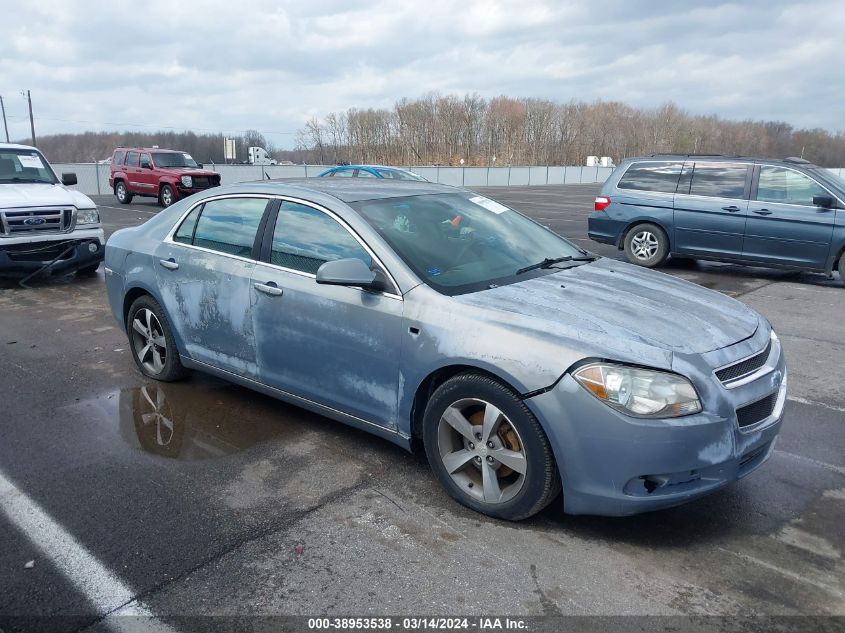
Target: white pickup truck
x=44, y=224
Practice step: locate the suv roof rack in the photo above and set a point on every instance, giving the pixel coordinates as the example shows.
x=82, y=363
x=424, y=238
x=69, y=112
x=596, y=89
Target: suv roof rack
x=796, y=160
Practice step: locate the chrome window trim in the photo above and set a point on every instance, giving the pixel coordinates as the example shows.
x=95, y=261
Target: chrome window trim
x=169, y=238
x=791, y=204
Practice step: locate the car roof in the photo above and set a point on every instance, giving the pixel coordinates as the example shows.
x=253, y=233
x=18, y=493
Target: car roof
x=790, y=160
x=345, y=189
x=370, y=167
x=17, y=146
x=151, y=149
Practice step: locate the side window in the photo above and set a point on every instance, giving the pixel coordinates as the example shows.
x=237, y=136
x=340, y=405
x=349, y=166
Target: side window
x=304, y=239
x=789, y=187
x=363, y=173
x=132, y=159
x=118, y=157
x=185, y=232
x=651, y=177
x=717, y=180
x=145, y=161
x=230, y=225
x=343, y=173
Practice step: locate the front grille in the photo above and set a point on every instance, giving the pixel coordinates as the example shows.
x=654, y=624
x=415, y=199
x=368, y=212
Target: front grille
x=744, y=367
x=755, y=412
x=203, y=182
x=41, y=252
x=29, y=221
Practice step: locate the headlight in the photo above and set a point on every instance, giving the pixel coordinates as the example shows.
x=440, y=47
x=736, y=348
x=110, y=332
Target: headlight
x=187, y=181
x=645, y=393
x=87, y=216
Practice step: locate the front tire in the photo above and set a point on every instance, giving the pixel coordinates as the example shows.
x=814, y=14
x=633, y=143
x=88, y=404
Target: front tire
x=487, y=449
x=122, y=193
x=151, y=341
x=646, y=245
x=166, y=197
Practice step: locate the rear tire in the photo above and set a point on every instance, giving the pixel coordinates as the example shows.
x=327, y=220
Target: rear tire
x=151, y=341
x=487, y=449
x=122, y=193
x=646, y=245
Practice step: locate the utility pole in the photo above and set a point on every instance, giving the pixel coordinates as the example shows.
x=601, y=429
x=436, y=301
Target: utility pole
x=5, y=125
x=31, y=121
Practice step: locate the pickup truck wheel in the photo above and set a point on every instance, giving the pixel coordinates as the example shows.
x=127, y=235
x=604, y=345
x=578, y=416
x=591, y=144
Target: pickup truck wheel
x=122, y=193
x=646, y=245
x=151, y=341
x=166, y=196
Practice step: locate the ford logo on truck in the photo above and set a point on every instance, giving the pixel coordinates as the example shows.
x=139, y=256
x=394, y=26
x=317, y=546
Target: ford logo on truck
x=34, y=221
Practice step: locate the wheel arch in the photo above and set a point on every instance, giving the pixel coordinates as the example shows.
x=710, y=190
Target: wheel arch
x=137, y=290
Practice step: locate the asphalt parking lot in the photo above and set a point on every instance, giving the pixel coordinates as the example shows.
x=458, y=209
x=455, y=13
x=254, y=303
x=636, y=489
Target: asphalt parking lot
x=241, y=505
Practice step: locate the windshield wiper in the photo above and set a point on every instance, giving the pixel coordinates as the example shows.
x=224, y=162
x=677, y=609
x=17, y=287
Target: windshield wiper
x=27, y=180
x=550, y=261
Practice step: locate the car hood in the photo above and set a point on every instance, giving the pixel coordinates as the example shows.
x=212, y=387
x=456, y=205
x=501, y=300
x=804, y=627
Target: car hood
x=14, y=195
x=186, y=171
x=620, y=303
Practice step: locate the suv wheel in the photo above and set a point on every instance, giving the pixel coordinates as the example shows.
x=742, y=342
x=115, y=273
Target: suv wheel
x=487, y=449
x=151, y=341
x=646, y=245
x=122, y=193
x=166, y=196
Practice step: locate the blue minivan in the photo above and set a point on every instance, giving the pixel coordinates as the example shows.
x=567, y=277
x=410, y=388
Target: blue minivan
x=780, y=213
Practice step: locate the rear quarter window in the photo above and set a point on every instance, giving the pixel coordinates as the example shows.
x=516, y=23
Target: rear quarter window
x=651, y=176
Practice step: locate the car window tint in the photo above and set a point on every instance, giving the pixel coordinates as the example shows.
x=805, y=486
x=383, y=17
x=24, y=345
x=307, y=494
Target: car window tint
x=651, y=177
x=787, y=186
x=346, y=173
x=305, y=238
x=132, y=159
x=230, y=225
x=185, y=232
x=363, y=173
x=118, y=158
x=145, y=160
x=718, y=181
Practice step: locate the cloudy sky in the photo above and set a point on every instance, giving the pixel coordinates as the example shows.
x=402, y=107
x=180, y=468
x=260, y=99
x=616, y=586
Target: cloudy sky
x=230, y=65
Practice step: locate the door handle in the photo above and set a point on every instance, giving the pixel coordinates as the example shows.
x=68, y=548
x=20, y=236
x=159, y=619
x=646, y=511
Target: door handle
x=272, y=290
x=169, y=264
x=732, y=208
x=762, y=212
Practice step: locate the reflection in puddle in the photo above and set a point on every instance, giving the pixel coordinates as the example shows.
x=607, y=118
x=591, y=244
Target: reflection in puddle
x=186, y=421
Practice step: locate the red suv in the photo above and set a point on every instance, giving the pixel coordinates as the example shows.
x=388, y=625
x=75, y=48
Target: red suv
x=166, y=174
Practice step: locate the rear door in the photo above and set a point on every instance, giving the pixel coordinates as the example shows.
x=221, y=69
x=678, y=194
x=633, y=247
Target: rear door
x=784, y=226
x=204, y=272
x=711, y=207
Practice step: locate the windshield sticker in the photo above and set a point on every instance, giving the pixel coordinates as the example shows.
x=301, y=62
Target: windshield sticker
x=33, y=162
x=490, y=205
x=433, y=272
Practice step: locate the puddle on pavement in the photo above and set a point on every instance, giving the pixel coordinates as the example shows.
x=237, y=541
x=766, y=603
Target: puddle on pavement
x=195, y=421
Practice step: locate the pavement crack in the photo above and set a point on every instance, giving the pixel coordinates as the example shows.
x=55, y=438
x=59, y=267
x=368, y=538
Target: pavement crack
x=546, y=604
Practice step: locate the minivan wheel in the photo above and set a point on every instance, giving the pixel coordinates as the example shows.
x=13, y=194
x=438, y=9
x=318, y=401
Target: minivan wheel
x=166, y=197
x=151, y=341
x=646, y=245
x=487, y=449
x=122, y=193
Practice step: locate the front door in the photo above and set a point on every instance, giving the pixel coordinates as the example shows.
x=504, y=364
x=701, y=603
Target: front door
x=204, y=275
x=784, y=226
x=711, y=207
x=334, y=345
x=147, y=178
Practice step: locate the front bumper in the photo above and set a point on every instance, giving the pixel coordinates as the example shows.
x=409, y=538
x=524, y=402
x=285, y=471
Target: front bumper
x=23, y=256
x=184, y=192
x=616, y=465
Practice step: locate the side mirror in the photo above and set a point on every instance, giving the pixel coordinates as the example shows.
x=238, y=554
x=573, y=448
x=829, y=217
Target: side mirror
x=69, y=179
x=349, y=272
x=824, y=201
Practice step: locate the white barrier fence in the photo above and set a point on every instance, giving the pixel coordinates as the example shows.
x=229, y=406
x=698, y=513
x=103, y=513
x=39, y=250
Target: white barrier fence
x=94, y=178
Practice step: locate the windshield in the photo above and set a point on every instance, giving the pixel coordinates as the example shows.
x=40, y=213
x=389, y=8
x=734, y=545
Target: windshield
x=25, y=165
x=399, y=174
x=173, y=159
x=462, y=242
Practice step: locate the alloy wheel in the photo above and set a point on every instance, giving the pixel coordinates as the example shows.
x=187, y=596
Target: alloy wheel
x=481, y=450
x=149, y=341
x=644, y=245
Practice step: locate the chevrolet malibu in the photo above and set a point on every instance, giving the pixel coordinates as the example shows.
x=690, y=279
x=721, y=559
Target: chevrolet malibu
x=429, y=315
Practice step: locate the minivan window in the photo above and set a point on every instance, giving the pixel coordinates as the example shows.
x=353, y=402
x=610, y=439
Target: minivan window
x=132, y=159
x=651, y=176
x=304, y=239
x=230, y=225
x=786, y=186
x=715, y=180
